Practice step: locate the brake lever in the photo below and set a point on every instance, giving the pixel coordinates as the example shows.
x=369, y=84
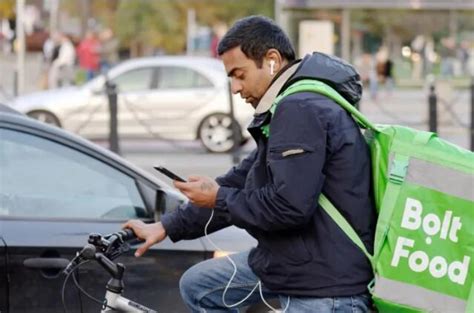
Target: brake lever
x=115, y=253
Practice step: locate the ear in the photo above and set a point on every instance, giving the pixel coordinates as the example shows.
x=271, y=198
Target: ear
x=273, y=60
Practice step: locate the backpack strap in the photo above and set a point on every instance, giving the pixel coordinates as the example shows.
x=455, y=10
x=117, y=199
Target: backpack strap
x=312, y=85
x=395, y=180
x=331, y=210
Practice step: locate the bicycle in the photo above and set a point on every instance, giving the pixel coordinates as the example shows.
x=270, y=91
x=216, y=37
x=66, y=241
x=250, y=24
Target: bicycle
x=104, y=249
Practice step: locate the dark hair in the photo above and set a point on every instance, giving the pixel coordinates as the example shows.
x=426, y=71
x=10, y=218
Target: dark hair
x=256, y=35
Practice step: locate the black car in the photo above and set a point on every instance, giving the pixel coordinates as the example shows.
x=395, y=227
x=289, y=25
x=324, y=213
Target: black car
x=55, y=189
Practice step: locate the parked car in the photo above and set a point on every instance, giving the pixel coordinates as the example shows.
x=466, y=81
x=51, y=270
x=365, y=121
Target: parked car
x=55, y=189
x=169, y=97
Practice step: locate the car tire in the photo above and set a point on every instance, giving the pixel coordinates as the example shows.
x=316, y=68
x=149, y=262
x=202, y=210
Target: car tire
x=45, y=117
x=215, y=133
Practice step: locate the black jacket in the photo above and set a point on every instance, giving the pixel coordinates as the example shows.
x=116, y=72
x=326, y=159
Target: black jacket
x=314, y=146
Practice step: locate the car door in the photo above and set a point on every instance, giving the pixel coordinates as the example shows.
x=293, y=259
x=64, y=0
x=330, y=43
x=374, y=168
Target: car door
x=52, y=195
x=132, y=86
x=183, y=96
x=135, y=88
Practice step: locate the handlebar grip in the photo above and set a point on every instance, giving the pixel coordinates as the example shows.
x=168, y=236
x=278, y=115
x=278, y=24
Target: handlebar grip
x=127, y=234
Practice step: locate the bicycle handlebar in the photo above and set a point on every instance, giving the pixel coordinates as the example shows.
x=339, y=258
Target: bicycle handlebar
x=102, y=248
x=126, y=234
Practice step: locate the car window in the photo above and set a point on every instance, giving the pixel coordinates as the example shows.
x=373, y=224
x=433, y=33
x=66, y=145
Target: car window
x=174, y=77
x=42, y=178
x=134, y=80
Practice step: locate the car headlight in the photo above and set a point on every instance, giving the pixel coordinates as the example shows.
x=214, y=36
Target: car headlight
x=220, y=254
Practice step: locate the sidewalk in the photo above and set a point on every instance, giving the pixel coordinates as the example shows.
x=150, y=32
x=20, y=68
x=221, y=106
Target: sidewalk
x=410, y=108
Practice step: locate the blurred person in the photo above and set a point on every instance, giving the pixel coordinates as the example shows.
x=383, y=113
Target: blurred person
x=108, y=50
x=61, y=72
x=418, y=46
x=373, y=79
x=218, y=31
x=302, y=257
x=388, y=76
x=88, y=54
x=364, y=65
x=463, y=57
x=50, y=52
x=7, y=34
x=384, y=73
x=214, y=43
x=448, y=56
x=381, y=58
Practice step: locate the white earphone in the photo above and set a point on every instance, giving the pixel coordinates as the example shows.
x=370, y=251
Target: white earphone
x=272, y=67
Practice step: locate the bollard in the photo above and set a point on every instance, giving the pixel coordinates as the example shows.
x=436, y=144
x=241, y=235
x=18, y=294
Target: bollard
x=235, y=130
x=472, y=113
x=111, y=90
x=432, y=107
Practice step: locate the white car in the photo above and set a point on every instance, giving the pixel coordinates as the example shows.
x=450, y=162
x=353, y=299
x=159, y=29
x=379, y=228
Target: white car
x=165, y=97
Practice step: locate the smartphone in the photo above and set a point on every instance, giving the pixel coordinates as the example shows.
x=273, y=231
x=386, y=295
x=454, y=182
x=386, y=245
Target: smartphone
x=168, y=173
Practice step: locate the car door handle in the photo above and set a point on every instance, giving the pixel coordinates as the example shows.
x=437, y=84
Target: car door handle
x=46, y=263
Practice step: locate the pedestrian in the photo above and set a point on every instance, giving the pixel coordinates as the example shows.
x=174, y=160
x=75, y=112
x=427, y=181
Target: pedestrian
x=303, y=258
x=50, y=53
x=88, y=54
x=373, y=79
x=108, y=50
x=388, y=76
x=61, y=71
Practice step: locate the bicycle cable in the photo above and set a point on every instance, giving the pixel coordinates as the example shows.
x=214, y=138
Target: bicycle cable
x=258, y=285
x=63, y=290
x=78, y=286
x=76, y=279
x=87, y=294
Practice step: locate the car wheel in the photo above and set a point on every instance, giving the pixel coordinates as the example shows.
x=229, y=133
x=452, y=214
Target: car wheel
x=215, y=133
x=45, y=117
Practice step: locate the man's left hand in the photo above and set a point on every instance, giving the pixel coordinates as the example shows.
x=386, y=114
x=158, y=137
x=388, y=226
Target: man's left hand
x=201, y=190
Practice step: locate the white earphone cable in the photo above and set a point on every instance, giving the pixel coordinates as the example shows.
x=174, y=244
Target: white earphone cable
x=258, y=285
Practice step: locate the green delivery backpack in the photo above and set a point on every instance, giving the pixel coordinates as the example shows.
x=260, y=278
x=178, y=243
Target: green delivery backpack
x=424, y=195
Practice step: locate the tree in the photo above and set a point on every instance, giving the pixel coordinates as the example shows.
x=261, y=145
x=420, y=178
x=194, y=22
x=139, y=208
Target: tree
x=162, y=24
x=7, y=9
x=145, y=25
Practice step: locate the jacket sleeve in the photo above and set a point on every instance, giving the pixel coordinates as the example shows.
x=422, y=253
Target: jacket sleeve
x=295, y=160
x=188, y=221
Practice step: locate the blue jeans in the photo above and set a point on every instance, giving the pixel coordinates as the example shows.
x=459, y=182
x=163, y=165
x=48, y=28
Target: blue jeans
x=203, y=284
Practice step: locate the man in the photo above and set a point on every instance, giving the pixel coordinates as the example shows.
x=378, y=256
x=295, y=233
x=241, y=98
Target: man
x=314, y=147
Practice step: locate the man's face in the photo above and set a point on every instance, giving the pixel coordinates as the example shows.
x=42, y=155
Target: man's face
x=247, y=79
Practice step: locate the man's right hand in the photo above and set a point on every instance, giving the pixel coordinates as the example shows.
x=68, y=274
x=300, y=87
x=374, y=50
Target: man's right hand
x=151, y=233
